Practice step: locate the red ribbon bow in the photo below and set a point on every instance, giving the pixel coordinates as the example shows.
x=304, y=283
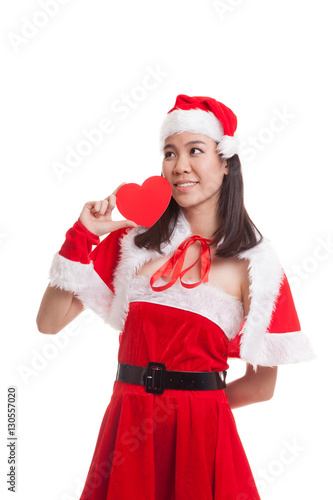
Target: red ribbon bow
x=177, y=261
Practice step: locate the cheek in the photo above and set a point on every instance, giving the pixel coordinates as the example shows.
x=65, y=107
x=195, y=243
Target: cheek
x=166, y=171
x=212, y=181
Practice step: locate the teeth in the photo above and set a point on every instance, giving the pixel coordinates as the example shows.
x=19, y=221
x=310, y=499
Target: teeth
x=187, y=184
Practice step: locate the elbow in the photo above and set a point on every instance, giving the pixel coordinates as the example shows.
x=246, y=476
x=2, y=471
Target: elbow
x=267, y=390
x=267, y=395
x=261, y=394
x=47, y=329
x=265, y=383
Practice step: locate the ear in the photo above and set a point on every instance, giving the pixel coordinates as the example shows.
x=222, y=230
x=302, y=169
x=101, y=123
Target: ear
x=225, y=166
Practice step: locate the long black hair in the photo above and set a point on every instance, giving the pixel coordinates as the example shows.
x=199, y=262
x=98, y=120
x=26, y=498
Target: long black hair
x=235, y=226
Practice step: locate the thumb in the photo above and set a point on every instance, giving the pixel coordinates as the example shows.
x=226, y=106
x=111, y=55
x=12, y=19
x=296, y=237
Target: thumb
x=125, y=223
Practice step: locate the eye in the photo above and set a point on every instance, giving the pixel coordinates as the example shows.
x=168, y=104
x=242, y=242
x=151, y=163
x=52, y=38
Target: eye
x=168, y=153
x=196, y=149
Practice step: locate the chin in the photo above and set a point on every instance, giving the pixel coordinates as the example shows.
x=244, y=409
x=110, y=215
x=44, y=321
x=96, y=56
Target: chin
x=186, y=204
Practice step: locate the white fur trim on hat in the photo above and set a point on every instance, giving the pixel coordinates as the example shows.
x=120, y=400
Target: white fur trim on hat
x=198, y=121
x=228, y=146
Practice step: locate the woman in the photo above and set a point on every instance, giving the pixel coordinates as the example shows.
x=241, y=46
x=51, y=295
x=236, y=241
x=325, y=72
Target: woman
x=169, y=432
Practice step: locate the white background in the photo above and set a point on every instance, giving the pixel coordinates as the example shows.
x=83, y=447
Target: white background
x=262, y=59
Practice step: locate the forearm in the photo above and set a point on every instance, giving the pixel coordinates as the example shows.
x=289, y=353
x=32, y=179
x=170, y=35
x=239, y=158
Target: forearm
x=240, y=393
x=252, y=387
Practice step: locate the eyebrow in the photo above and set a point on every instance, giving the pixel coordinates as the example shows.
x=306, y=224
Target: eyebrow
x=191, y=142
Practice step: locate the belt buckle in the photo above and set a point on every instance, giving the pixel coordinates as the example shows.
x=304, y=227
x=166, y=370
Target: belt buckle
x=155, y=377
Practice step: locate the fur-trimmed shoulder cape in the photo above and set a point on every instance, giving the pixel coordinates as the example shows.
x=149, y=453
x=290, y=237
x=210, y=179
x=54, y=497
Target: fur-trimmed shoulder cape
x=269, y=335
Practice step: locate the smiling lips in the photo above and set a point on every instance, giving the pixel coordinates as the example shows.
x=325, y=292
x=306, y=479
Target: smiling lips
x=185, y=186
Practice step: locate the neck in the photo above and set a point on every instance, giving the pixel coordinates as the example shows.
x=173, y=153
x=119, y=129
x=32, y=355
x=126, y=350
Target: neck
x=203, y=223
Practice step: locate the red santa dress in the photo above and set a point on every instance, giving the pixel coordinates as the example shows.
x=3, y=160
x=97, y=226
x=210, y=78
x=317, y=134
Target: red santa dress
x=181, y=444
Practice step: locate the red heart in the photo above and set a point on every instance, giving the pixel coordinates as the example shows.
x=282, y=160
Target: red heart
x=144, y=204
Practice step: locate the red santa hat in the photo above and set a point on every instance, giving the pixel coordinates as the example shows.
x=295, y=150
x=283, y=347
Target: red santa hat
x=206, y=116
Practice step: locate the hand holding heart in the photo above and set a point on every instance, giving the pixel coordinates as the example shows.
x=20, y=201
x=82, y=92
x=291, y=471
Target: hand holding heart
x=144, y=204
x=141, y=205
x=96, y=216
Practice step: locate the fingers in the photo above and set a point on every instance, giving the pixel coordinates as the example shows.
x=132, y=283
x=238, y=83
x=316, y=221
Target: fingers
x=102, y=206
x=116, y=190
x=112, y=199
x=99, y=207
x=95, y=207
x=106, y=206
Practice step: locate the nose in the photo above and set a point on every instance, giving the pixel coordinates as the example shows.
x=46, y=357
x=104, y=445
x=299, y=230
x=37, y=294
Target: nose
x=182, y=165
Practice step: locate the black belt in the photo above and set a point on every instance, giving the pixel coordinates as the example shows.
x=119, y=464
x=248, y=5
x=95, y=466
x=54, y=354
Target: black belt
x=155, y=377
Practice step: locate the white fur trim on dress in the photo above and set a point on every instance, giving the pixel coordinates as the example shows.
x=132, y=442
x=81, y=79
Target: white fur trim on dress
x=84, y=282
x=202, y=122
x=206, y=300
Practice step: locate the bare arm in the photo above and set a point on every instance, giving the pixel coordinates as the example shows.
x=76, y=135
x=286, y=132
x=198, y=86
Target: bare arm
x=253, y=387
x=57, y=309
x=60, y=307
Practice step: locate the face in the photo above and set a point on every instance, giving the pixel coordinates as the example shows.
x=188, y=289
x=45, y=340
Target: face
x=192, y=158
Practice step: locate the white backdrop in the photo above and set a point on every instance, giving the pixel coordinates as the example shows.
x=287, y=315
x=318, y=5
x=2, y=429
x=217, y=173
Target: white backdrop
x=71, y=67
